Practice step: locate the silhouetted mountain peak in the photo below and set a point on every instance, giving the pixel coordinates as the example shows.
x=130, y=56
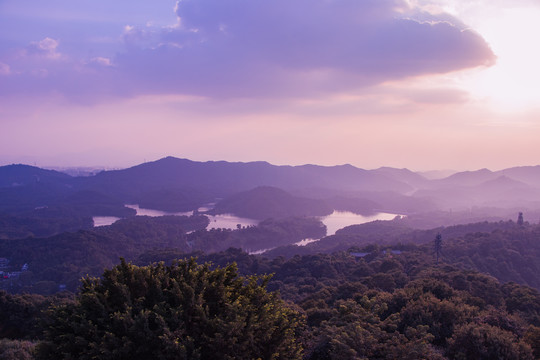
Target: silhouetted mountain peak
x=467, y=178
x=19, y=174
x=503, y=181
x=229, y=177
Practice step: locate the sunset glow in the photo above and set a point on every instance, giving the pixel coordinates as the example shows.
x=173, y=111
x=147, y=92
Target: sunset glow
x=418, y=84
x=513, y=83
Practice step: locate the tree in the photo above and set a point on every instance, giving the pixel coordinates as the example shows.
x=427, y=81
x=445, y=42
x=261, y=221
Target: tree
x=532, y=337
x=16, y=349
x=485, y=342
x=182, y=311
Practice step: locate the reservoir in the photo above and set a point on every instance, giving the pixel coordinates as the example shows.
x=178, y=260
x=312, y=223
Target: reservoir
x=104, y=220
x=223, y=221
x=335, y=221
x=340, y=219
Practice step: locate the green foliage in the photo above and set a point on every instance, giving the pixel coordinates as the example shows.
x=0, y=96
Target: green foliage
x=485, y=342
x=268, y=234
x=41, y=223
x=532, y=337
x=66, y=258
x=381, y=304
x=183, y=311
x=511, y=254
x=20, y=315
x=16, y=350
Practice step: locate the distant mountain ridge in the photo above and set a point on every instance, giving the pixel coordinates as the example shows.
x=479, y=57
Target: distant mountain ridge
x=237, y=176
x=175, y=184
x=20, y=175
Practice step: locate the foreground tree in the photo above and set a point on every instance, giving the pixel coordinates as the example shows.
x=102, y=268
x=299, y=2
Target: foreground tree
x=183, y=311
x=16, y=349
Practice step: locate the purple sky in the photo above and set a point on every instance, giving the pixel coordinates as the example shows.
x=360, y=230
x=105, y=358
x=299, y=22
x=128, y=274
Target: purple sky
x=418, y=84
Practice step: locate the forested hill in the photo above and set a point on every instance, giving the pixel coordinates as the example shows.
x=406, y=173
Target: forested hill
x=60, y=261
x=385, y=305
x=269, y=202
x=504, y=250
x=21, y=175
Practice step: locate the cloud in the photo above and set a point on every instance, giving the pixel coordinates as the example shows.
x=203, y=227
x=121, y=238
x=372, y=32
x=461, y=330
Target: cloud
x=287, y=48
x=45, y=48
x=4, y=69
x=101, y=61
x=272, y=49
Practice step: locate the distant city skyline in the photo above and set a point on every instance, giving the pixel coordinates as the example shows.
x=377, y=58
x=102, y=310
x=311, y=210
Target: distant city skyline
x=423, y=85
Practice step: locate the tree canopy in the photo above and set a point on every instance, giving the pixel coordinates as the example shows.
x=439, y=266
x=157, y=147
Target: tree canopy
x=182, y=311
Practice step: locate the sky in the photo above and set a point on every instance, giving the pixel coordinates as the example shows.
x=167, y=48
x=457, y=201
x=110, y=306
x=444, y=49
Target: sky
x=404, y=83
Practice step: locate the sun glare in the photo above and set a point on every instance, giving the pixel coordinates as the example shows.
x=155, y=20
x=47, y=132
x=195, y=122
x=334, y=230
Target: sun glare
x=513, y=83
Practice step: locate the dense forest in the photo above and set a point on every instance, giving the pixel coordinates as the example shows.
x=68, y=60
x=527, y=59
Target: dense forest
x=335, y=306
x=375, y=300
x=60, y=261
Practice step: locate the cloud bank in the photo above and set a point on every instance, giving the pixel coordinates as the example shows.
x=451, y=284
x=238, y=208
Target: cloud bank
x=250, y=49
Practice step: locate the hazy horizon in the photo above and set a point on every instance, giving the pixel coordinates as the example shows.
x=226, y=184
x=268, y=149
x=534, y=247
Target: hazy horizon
x=423, y=85
x=432, y=173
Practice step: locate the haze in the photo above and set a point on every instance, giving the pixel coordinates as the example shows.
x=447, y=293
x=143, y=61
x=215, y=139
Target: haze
x=418, y=84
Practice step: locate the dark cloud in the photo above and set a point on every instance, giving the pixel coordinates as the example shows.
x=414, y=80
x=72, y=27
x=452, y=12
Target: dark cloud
x=246, y=48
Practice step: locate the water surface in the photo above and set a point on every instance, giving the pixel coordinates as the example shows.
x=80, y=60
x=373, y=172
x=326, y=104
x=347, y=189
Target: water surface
x=335, y=221
x=104, y=220
x=223, y=221
x=340, y=219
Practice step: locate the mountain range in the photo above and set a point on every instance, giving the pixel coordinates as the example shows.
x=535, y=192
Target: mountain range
x=174, y=184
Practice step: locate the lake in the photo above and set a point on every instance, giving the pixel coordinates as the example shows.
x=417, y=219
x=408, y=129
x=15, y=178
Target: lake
x=151, y=212
x=224, y=221
x=228, y=221
x=104, y=220
x=340, y=219
x=335, y=221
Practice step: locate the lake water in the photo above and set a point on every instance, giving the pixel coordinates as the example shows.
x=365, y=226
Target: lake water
x=228, y=221
x=335, y=221
x=224, y=221
x=104, y=220
x=340, y=219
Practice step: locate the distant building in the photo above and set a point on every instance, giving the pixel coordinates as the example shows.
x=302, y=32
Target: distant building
x=24, y=267
x=4, y=262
